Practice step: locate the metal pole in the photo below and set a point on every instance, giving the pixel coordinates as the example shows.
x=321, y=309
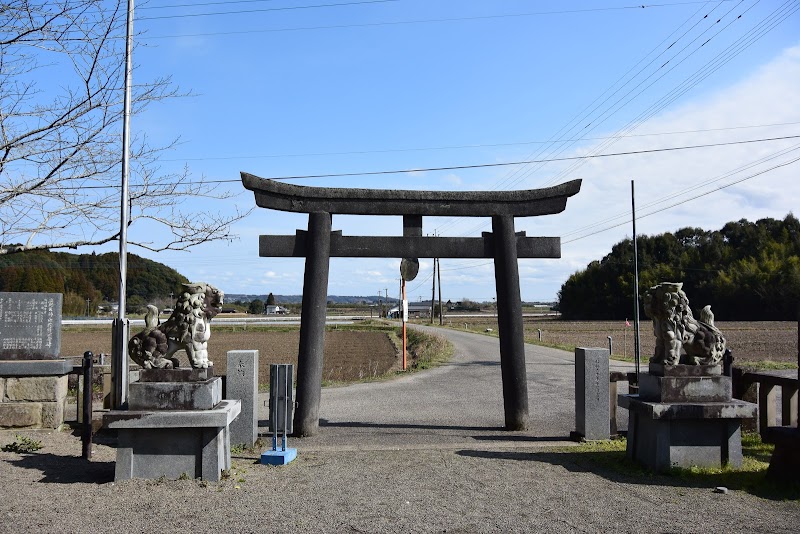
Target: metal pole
x=403, y=316
x=312, y=324
x=610, y=346
x=120, y=359
x=86, y=434
x=635, y=287
x=509, y=320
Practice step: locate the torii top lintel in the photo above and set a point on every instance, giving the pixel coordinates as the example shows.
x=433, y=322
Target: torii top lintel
x=351, y=201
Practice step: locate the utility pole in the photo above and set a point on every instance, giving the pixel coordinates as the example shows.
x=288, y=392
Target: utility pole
x=433, y=289
x=439, y=274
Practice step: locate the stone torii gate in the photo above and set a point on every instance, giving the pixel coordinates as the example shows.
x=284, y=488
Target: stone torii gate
x=319, y=244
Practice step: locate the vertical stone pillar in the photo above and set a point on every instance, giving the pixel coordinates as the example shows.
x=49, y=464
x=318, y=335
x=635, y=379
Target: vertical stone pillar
x=312, y=324
x=592, y=393
x=242, y=384
x=509, y=318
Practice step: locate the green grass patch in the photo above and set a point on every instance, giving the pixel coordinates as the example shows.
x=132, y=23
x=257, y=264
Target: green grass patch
x=23, y=444
x=750, y=477
x=765, y=365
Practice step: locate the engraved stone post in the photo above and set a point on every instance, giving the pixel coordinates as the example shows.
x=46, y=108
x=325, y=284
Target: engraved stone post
x=591, y=393
x=242, y=384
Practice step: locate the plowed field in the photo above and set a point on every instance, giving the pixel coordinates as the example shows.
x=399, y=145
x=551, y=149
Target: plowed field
x=349, y=355
x=750, y=341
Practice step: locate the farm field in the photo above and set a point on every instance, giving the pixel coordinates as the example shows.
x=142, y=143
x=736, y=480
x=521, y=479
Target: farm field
x=349, y=354
x=751, y=342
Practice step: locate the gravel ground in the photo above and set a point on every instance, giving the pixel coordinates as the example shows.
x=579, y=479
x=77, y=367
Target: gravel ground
x=372, y=469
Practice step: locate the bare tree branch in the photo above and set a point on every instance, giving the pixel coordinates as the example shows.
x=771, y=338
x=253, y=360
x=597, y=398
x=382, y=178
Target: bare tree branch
x=60, y=149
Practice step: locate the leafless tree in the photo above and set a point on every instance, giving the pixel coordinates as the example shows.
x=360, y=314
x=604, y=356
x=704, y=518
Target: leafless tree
x=61, y=102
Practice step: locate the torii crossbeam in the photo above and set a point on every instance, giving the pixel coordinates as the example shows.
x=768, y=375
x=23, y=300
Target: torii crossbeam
x=319, y=244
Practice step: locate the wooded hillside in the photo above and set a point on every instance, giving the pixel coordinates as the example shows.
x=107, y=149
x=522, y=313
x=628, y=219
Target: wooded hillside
x=87, y=276
x=746, y=271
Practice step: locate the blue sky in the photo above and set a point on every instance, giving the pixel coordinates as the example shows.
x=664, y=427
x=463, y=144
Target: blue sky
x=409, y=84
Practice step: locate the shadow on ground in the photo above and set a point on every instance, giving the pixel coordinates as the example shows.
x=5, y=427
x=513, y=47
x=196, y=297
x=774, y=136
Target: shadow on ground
x=402, y=426
x=615, y=467
x=66, y=469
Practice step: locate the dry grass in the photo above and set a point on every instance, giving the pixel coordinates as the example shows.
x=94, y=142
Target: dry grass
x=751, y=342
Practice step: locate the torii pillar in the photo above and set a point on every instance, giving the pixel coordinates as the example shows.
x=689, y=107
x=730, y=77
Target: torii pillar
x=319, y=244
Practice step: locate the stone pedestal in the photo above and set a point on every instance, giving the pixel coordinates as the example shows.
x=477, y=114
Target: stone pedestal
x=684, y=415
x=179, y=426
x=33, y=393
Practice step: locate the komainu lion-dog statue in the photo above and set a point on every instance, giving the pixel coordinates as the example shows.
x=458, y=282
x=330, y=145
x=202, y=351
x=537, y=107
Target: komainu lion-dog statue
x=188, y=328
x=680, y=338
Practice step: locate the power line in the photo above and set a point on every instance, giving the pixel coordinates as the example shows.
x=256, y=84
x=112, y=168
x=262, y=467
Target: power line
x=458, y=147
x=264, y=10
x=767, y=24
x=683, y=192
x=701, y=74
x=454, y=167
x=569, y=158
x=785, y=164
x=428, y=21
x=516, y=175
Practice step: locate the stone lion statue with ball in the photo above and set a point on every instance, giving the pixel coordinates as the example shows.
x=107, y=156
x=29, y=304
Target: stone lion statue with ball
x=188, y=328
x=680, y=338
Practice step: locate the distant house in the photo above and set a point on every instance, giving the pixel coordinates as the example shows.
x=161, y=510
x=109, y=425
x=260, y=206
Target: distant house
x=415, y=310
x=274, y=309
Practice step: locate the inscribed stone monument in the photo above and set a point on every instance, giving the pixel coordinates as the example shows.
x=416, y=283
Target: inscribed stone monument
x=30, y=326
x=33, y=381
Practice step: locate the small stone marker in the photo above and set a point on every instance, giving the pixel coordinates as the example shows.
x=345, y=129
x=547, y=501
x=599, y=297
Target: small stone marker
x=30, y=326
x=242, y=384
x=592, y=410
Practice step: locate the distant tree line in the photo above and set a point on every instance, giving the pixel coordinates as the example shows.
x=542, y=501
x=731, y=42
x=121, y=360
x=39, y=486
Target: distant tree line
x=746, y=271
x=88, y=276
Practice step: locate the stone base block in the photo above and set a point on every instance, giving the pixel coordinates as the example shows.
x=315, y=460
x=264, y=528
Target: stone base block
x=176, y=375
x=32, y=401
x=664, y=435
x=20, y=414
x=36, y=388
x=193, y=443
x=655, y=388
x=52, y=414
x=681, y=369
x=202, y=395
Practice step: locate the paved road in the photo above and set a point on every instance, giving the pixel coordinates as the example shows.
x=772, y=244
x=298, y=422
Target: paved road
x=457, y=404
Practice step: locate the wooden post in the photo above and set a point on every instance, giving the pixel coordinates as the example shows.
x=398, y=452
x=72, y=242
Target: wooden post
x=312, y=325
x=509, y=319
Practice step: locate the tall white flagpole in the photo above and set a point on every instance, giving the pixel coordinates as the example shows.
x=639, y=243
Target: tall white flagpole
x=120, y=359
